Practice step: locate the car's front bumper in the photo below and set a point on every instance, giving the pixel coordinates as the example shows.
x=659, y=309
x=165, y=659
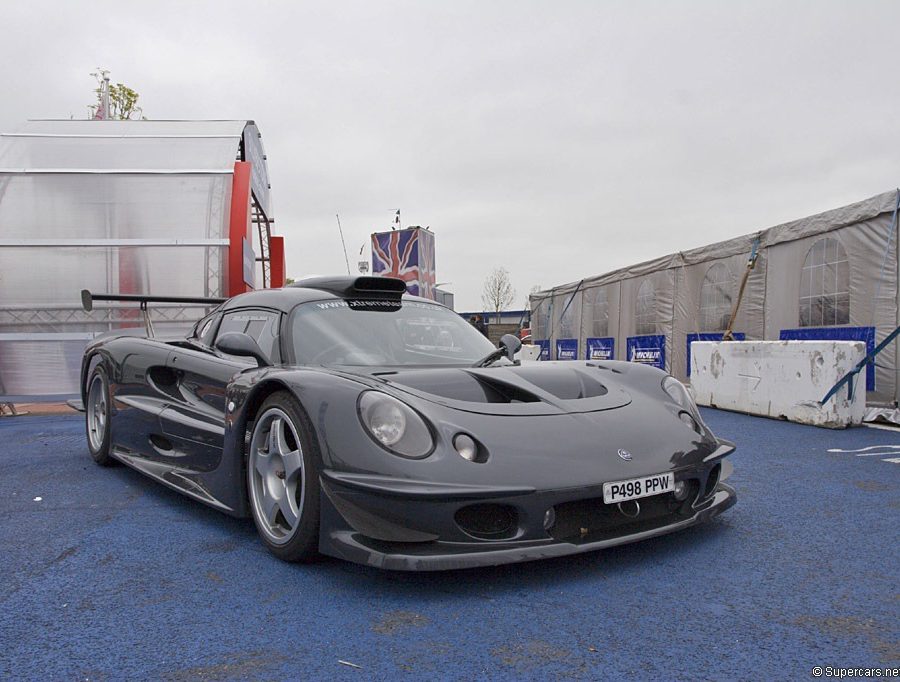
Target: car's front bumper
x=432, y=551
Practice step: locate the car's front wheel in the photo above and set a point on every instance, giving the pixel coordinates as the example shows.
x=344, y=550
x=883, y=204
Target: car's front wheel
x=97, y=416
x=283, y=479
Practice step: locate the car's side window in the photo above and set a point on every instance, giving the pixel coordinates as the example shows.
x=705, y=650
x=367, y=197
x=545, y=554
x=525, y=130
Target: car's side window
x=261, y=325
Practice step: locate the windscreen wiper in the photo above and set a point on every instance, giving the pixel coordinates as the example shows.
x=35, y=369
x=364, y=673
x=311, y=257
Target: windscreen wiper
x=491, y=358
x=509, y=346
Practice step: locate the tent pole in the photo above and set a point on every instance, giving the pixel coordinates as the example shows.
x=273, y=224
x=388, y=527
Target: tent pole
x=727, y=335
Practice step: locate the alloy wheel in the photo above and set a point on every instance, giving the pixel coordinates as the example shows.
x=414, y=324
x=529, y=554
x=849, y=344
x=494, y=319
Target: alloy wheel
x=97, y=412
x=276, y=473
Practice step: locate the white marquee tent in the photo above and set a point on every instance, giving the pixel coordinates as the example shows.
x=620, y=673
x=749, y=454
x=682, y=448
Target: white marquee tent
x=829, y=276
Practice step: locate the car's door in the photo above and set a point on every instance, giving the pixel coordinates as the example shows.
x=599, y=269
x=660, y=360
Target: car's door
x=194, y=421
x=137, y=399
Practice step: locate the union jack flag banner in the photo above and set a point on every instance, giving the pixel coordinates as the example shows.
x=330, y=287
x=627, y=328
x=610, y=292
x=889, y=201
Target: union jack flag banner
x=407, y=254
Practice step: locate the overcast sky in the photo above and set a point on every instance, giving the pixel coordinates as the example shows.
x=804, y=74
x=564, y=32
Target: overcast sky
x=556, y=139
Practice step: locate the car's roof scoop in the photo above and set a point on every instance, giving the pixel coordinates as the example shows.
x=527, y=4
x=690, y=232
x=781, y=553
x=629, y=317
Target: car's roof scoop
x=363, y=287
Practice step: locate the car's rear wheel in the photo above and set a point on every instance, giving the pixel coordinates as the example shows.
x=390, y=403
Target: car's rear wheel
x=97, y=416
x=283, y=479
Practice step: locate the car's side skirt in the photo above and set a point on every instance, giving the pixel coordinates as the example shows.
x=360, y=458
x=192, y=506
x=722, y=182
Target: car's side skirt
x=178, y=479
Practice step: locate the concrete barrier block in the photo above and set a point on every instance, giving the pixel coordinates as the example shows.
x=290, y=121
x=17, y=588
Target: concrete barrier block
x=529, y=353
x=781, y=379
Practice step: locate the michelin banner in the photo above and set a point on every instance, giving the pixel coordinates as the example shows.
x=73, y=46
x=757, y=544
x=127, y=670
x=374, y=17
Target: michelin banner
x=545, y=348
x=600, y=348
x=647, y=350
x=567, y=349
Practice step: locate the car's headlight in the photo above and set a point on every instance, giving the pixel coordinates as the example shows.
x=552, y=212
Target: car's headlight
x=679, y=394
x=395, y=425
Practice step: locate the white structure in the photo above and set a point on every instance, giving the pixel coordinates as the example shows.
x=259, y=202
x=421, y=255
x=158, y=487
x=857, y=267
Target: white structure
x=782, y=379
x=137, y=207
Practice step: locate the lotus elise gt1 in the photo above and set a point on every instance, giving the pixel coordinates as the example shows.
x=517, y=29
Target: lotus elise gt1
x=352, y=419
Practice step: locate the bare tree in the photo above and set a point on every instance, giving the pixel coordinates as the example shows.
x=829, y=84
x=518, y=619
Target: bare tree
x=497, y=293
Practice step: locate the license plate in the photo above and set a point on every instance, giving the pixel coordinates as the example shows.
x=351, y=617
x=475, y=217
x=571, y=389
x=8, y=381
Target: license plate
x=632, y=489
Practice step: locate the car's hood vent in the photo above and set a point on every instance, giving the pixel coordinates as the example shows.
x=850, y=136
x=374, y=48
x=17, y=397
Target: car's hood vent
x=544, y=389
x=469, y=386
x=563, y=382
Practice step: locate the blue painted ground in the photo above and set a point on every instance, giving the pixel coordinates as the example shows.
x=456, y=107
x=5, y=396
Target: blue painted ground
x=111, y=576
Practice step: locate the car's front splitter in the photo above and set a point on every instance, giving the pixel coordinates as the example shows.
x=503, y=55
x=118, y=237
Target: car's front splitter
x=438, y=555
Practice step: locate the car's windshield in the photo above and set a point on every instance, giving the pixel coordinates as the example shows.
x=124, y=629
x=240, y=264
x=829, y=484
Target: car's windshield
x=383, y=334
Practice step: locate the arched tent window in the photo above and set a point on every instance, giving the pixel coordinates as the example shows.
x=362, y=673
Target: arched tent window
x=715, y=298
x=645, y=309
x=825, y=285
x=599, y=312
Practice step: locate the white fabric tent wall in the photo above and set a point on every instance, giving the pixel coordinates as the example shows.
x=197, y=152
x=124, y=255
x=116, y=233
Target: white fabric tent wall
x=663, y=282
x=613, y=306
x=689, y=283
x=865, y=243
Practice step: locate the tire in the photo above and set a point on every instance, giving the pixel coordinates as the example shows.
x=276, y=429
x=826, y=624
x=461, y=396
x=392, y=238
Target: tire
x=283, y=490
x=97, y=417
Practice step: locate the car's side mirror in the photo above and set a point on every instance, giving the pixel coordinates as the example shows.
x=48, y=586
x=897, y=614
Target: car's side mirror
x=511, y=344
x=242, y=345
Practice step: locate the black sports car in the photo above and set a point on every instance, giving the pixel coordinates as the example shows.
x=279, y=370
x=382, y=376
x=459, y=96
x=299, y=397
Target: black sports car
x=349, y=418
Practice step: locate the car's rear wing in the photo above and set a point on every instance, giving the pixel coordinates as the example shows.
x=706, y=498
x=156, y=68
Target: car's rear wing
x=88, y=298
